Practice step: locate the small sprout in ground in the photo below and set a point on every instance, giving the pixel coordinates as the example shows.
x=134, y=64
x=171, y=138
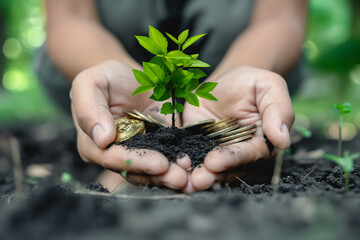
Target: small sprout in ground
x=66, y=177
x=346, y=163
x=306, y=133
x=124, y=172
x=172, y=74
x=343, y=109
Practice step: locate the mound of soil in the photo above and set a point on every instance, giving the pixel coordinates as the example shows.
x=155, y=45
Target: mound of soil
x=311, y=203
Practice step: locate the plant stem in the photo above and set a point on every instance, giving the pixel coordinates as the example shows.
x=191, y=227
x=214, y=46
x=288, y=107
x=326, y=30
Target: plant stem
x=340, y=135
x=173, y=103
x=346, y=176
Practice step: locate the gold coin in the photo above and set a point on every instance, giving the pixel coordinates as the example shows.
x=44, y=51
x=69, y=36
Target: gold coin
x=133, y=115
x=221, y=125
x=199, y=124
x=127, y=128
x=240, y=139
x=222, y=131
x=239, y=130
x=153, y=120
x=234, y=136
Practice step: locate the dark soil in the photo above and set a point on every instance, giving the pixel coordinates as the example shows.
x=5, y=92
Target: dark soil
x=311, y=203
x=174, y=143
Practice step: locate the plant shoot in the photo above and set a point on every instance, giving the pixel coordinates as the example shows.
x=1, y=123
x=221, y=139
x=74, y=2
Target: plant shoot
x=172, y=74
x=343, y=109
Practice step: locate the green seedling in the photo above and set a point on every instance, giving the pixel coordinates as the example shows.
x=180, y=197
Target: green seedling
x=69, y=179
x=343, y=109
x=172, y=74
x=306, y=133
x=124, y=172
x=346, y=163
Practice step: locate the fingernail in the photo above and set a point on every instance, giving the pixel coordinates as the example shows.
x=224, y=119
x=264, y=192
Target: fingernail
x=97, y=134
x=285, y=129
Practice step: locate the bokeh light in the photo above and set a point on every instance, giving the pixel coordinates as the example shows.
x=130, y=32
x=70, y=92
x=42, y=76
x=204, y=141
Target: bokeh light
x=311, y=50
x=12, y=48
x=15, y=80
x=348, y=132
x=354, y=74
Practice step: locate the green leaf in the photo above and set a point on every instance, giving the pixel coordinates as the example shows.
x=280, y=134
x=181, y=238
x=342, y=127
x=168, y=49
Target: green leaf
x=192, y=99
x=182, y=77
x=154, y=72
x=206, y=95
x=306, y=133
x=183, y=36
x=193, y=84
x=169, y=65
x=179, y=107
x=176, y=54
x=192, y=40
x=149, y=45
x=128, y=162
x=172, y=38
x=123, y=174
x=196, y=63
x=344, y=108
x=167, y=80
x=142, y=78
x=164, y=97
x=206, y=87
x=159, y=90
x=197, y=73
x=167, y=108
x=180, y=93
x=158, y=38
x=194, y=56
x=142, y=89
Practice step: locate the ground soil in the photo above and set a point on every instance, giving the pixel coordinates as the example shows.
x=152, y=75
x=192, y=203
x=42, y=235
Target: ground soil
x=311, y=202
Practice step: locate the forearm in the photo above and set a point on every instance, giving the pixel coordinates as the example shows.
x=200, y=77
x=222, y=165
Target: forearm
x=76, y=42
x=272, y=43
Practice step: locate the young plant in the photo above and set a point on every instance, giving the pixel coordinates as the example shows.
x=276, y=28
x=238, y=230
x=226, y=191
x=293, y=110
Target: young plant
x=346, y=163
x=343, y=109
x=172, y=74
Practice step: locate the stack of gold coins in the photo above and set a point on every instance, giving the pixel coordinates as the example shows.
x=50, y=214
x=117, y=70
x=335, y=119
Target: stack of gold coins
x=127, y=128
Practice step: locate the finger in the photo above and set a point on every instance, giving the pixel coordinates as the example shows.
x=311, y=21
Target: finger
x=142, y=161
x=175, y=177
x=223, y=158
x=201, y=178
x=275, y=109
x=91, y=110
x=184, y=161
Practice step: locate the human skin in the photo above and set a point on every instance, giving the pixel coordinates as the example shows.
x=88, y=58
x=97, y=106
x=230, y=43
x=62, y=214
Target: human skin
x=101, y=90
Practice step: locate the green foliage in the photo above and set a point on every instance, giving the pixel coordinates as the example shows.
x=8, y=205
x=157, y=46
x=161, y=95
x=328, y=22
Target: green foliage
x=124, y=172
x=306, y=133
x=173, y=73
x=343, y=109
x=346, y=163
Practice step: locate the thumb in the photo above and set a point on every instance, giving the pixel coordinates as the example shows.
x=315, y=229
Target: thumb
x=276, y=111
x=91, y=110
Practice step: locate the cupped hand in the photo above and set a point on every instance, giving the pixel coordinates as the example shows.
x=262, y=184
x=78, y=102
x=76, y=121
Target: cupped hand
x=100, y=94
x=253, y=96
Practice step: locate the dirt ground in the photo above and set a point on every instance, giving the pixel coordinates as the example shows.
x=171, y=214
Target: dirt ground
x=311, y=202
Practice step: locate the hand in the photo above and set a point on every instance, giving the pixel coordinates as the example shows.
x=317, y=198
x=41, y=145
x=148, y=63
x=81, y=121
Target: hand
x=100, y=94
x=253, y=96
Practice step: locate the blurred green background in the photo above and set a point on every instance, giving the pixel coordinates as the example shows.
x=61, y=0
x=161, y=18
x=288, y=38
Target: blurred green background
x=332, y=51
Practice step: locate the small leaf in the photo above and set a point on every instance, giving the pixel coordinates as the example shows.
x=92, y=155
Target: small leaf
x=164, y=97
x=167, y=108
x=172, y=38
x=179, y=107
x=159, y=90
x=180, y=93
x=206, y=87
x=124, y=174
x=142, y=89
x=197, y=73
x=192, y=40
x=167, y=80
x=149, y=45
x=128, y=162
x=176, y=54
x=192, y=99
x=182, y=77
x=193, y=84
x=183, y=36
x=169, y=65
x=206, y=95
x=196, y=63
x=158, y=38
x=306, y=133
x=142, y=78
x=194, y=56
x=154, y=72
